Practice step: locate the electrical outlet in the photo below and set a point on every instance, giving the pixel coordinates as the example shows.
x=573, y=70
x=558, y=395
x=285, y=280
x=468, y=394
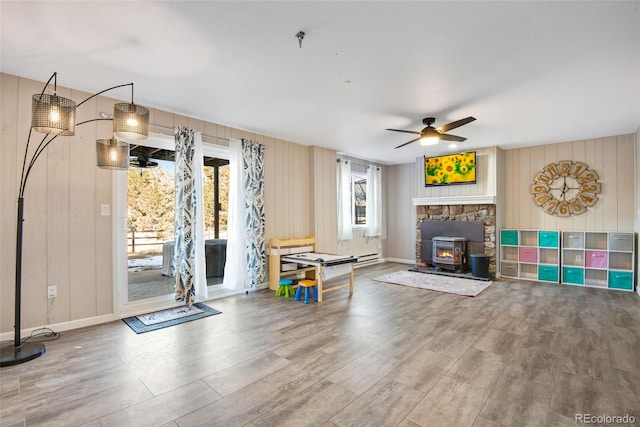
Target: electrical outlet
x=52, y=291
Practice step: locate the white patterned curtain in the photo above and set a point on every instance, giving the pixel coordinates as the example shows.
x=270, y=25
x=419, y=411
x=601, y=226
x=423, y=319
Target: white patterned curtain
x=246, y=257
x=374, y=202
x=344, y=200
x=189, y=272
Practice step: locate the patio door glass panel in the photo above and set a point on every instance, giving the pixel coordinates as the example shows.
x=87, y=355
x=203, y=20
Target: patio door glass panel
x=150, y=217
x=216, y=209
x=150, y=222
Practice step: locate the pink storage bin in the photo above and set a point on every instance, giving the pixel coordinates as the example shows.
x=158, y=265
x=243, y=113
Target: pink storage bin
x=528, y=254
x=595, y=259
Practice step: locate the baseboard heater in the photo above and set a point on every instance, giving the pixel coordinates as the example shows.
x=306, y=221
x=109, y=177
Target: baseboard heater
x=367, y=259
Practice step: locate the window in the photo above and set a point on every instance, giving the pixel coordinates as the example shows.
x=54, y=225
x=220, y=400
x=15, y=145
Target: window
x=216, y=197
x=359, y=199
x=356, y=190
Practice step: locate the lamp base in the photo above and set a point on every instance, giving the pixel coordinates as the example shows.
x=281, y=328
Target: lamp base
x=12, y=355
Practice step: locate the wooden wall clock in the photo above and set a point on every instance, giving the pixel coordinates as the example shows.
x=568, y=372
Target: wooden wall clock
x=565, y=188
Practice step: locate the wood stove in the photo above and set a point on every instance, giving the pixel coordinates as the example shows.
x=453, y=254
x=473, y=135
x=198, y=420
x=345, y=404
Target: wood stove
x=449, y=253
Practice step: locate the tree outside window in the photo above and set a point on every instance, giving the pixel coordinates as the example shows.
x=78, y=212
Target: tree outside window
x=359, y=199
x=211, y=212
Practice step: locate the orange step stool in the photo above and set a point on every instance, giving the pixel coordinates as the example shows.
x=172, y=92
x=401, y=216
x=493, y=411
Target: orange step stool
x=306, y=285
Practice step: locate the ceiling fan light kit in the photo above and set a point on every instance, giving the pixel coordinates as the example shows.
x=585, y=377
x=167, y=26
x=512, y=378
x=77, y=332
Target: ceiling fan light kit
x=429, y=140
x=431, y=136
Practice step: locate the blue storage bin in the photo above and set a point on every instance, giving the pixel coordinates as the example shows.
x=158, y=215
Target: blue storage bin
x=548, y=273
x=509, y=237
x=621, y=280
x=573, y=275
x=549, y=239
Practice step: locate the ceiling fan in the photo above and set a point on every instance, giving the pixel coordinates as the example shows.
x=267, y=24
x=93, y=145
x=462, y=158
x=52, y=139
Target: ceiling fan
x=140, y=157
x=431, y=135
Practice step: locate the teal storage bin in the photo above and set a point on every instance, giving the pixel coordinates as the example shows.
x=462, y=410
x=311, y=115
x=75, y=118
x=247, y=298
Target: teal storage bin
x=549, y=239
x=573, y=276
x=621, y=280
x=548, y=273
x=509, y=237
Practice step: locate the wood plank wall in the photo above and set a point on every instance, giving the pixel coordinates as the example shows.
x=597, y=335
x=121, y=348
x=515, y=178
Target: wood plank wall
x=287, y=198
x=68, y=243
x=613, y=158
x=637, y=210
x=323, y=190
x=485, y=178
x=401, y=219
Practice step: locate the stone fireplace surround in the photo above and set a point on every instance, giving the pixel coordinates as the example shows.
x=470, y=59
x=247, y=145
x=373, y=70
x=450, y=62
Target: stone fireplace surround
x=486, y=213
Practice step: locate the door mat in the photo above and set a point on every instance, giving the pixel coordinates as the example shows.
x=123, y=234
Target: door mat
x=169, y=317
x=451, y=285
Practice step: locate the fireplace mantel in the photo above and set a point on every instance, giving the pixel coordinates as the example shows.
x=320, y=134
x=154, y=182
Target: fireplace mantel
x=487, y=199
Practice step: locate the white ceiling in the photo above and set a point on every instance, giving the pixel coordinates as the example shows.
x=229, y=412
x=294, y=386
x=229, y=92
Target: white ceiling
x=530, y=72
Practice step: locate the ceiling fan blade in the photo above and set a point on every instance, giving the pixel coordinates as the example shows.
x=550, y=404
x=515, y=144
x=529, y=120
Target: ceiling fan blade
x=447, y=137
x=406, y=143
x=405, y=131
x=457, y=123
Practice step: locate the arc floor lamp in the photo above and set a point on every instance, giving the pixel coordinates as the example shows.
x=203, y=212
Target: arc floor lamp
x=55, y=116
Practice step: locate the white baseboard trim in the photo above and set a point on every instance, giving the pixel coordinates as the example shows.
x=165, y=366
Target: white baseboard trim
x=154, y=304
x=264, y=285
x=367, y=263
x=401, y=261
x=63, y=326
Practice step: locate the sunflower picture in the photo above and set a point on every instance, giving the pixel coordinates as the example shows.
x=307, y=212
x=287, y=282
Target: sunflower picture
x=450, y=169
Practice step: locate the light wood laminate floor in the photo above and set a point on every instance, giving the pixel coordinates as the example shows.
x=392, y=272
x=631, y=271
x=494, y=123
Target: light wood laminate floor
x=519, y=354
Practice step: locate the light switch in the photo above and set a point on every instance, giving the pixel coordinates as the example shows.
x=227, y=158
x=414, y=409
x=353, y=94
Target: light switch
x=105, y=210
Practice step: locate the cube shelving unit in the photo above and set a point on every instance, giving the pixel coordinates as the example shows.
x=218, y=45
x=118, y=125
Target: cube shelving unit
x=598, y=259
x=530, y=255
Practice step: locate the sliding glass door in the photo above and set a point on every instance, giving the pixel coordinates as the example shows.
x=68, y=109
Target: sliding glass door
x=144, y=202
x=150, y=218
x=216, y=208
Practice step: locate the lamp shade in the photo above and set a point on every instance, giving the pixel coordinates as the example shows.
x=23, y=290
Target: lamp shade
x=53, y=114
x=112, y=154
x=130, y=121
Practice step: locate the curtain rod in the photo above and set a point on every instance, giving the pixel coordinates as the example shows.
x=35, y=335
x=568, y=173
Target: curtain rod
x=203, y=135
x=357, y=164
x=219, y=138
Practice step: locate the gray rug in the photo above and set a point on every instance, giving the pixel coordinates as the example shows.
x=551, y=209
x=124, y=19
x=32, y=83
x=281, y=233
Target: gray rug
x=451, y=285
x=169, y=317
